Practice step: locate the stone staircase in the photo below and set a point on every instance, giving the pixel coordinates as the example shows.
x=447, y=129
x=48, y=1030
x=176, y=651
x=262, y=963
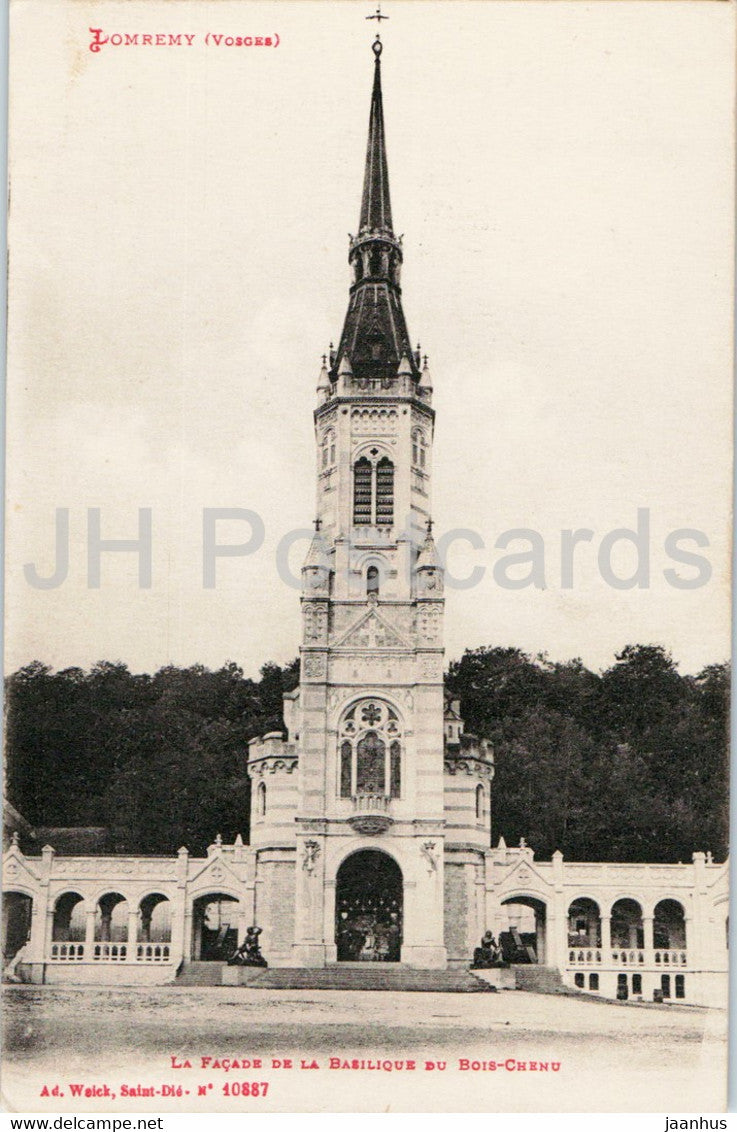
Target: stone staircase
x=338, y=976
x=196, y=974
x=539, y=980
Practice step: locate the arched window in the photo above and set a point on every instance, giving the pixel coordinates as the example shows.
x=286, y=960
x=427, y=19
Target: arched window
x=372, y=580
x=384, y=493
x=370, y=770
x=328, y=449
x=370, y=748
x=479, y=802
x=261, y=800
x=373, y=492
x=419, y=449
x=362, y=492
x=346, y=770
x=395, y=769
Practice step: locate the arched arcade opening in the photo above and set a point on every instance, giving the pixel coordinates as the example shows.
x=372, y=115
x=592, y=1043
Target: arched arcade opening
x=584, y=923
x=17, y=910
x=669, y=926
x=524, y=938
x=214, y=927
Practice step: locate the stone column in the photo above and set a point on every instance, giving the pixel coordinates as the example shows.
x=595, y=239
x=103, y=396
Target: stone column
x=540, y=934
x=132, y=941
x=39, y=919
x=48, y=931
x=89, y=932
x=647, y=931
x=606, y=939
x=243, y=922
x=181, y=915
x=331, y=947
x=556, y=938
x=249, y=904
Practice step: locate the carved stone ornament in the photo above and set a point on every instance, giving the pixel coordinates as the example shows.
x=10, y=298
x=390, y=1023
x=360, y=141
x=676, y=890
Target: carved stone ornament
x=370, y=824
x=315, y=667
x=315, y=623
x=428, y=852
x=428, y=667
x=374, y=422
x=100, y=867
x=271, y=765
x=429, y=621
x=372, y=633
x=311, y=853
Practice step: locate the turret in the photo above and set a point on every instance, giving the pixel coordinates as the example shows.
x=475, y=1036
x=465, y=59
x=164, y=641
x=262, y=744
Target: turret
x=469, y=771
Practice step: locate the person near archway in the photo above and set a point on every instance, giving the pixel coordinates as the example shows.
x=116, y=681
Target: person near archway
x=488, y=954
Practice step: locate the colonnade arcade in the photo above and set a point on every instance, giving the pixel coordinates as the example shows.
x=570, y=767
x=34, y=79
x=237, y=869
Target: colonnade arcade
x=574, y=932
x=107, y=926
x=624, y=927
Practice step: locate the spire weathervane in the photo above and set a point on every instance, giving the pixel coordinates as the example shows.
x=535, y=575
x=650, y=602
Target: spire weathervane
x=377, y=16
x=377, y=46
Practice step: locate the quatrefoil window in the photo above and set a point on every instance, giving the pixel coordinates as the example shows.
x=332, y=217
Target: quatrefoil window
x=371, y=714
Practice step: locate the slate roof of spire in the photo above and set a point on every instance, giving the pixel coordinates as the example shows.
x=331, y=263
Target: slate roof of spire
x=375, y=335
x=376, y=208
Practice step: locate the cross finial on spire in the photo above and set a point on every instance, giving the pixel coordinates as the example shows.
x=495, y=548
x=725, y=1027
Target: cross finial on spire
x=430, y=525
x=324, y=359
x=318, y=524
x=377, y=16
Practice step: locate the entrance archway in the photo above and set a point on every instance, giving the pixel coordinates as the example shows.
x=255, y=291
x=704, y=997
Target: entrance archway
x=368, y=908
x=17, y=909
x=214, y=927
x=524, y=940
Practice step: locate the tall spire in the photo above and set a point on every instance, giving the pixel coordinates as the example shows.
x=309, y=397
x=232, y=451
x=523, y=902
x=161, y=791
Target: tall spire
x=376, y=209
x=375, y=337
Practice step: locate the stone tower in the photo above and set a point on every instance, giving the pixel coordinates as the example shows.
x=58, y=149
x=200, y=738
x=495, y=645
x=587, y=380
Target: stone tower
x=349, y=821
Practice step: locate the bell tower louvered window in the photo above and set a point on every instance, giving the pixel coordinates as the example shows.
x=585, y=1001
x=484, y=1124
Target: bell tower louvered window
x=362, y=493
x=373, y=492
x=384, y=493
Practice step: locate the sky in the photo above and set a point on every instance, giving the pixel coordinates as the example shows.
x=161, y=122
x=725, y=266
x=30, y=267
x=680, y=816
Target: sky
x=178, y=234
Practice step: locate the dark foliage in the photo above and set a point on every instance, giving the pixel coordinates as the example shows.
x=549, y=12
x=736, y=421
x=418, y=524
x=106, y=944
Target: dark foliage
x=160, y=760
x=629, y=765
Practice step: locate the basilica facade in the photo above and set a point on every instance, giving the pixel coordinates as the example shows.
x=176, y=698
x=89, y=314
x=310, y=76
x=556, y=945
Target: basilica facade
x=370, y=825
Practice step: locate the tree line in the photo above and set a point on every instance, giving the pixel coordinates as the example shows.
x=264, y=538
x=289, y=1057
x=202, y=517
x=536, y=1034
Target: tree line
x=629, y=764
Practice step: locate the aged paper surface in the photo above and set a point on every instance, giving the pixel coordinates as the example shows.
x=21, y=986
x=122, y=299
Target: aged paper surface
x=187, y=395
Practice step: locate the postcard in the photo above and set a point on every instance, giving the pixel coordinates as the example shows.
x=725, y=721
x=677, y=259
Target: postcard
x=368, y=526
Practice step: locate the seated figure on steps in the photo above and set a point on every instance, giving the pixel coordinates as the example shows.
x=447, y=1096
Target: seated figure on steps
x=249, y=952
x=488, y=954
